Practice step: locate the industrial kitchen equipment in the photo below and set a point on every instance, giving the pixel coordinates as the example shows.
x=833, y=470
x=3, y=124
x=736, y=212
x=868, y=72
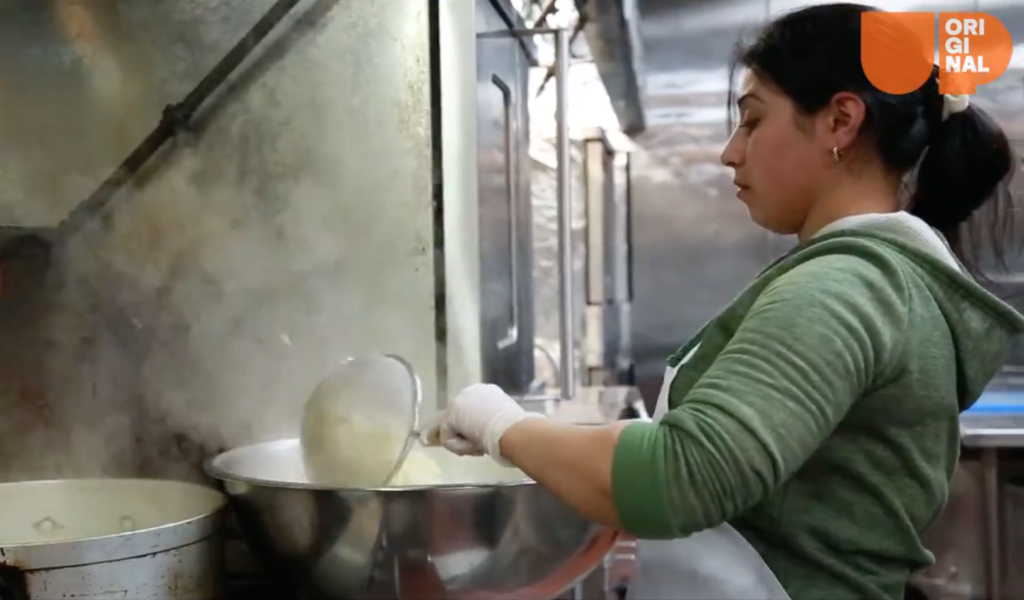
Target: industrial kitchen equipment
x=105, y=538
x=295, y=214
x=488, y=532
x=607, y=347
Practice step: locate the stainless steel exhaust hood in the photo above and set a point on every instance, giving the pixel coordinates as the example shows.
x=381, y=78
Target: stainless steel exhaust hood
x=610, y=27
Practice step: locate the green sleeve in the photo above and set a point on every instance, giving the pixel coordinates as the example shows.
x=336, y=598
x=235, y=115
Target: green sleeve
x=812, y=342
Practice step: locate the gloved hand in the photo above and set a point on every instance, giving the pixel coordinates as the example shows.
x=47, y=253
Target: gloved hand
x=475, y=420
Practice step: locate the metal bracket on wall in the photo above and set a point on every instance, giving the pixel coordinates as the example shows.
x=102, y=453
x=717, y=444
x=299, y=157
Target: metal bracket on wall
x=175, y=118
x=16, y=241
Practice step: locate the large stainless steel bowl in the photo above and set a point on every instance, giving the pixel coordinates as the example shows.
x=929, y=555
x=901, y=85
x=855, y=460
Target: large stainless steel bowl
x=491, y=533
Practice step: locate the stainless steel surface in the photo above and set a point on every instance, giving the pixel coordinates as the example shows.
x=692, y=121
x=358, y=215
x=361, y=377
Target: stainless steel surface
x=611, y=34
x=459, y=197
x=111, y=538
x=606, y=335
x=694, y=246
x=566, y=333
x=957, y=538
x=992, y=431
x=546, y=266
x=963, y=537
x=506, y=290
x=622, y=359
x=994, y=554
x=599, y=178
x=489, y=531
x=1012, y=543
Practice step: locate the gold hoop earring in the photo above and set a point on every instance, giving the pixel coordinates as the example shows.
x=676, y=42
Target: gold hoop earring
x=835, y=153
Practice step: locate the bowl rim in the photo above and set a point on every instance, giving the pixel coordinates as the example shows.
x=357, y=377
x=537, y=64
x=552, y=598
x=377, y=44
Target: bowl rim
x=82, y=551
x=212, y=469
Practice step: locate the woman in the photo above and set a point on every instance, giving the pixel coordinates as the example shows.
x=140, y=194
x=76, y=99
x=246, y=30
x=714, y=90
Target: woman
x=807, y=435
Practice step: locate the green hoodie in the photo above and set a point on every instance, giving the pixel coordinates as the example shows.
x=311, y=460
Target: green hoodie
x=819, y=415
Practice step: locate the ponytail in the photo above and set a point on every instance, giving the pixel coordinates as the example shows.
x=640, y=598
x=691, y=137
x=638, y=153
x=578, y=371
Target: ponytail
x=967, y=165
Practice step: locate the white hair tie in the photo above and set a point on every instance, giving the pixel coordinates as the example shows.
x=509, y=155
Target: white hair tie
x=954, y=103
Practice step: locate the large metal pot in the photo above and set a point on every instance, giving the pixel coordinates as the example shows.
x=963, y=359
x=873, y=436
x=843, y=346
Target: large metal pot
x=490, y=534
x=110, y=538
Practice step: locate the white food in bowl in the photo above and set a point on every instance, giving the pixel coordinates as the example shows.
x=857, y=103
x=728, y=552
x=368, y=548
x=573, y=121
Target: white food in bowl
x=359, y=449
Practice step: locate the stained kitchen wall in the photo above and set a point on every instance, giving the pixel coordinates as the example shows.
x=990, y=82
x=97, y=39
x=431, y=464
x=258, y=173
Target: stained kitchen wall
x=291, y=229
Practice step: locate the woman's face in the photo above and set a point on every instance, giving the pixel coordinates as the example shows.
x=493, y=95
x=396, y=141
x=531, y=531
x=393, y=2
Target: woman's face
x=778, y=161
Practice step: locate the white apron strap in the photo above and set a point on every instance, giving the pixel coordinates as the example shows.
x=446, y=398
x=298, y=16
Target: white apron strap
x=715, y=564
x=661, y=406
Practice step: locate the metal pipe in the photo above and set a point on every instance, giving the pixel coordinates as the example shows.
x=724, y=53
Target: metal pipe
x=566, y=333
x=518, y=33
x=548, y=356
x=547, y=9
x=993, y=518
x=567, y=369
x=175, y=117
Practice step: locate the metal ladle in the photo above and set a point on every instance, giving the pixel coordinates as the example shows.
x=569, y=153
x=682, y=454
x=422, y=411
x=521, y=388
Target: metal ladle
x=385, y=386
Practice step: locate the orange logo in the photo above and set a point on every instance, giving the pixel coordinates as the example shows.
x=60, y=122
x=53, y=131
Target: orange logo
x=897, y=50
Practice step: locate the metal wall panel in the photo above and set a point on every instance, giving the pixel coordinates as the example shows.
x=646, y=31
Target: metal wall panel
x=606, y=347
x=694, y=248
x=457, y=63
x=506, y=291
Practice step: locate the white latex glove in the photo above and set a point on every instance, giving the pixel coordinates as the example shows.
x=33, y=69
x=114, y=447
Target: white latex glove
x=475, y=420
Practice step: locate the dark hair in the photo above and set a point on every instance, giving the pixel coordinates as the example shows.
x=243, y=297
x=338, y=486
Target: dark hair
x=814, y=53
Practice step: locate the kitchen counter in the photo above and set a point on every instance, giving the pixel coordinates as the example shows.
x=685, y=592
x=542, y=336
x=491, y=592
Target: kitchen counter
x=992, y=430
x=995, y=421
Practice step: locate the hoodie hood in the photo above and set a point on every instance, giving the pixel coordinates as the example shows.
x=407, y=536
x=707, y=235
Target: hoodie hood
x=982, y=325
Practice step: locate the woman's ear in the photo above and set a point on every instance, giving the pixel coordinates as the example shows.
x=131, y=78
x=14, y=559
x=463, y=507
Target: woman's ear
x=844, y=116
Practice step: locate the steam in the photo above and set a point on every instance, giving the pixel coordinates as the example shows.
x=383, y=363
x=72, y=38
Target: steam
x=291, y=233
x=189, y=321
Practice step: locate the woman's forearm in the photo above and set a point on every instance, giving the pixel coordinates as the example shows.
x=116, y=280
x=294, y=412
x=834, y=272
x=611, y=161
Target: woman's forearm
x=573, y=462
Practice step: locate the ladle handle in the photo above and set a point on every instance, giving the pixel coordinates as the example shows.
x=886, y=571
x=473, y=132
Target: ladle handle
x=414, y=429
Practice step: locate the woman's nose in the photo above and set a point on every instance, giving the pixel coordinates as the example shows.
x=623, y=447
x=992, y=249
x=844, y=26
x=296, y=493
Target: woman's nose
x=732, y=153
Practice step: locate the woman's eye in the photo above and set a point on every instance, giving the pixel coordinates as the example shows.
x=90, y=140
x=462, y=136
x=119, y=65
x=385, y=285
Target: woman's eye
x=748, y=123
